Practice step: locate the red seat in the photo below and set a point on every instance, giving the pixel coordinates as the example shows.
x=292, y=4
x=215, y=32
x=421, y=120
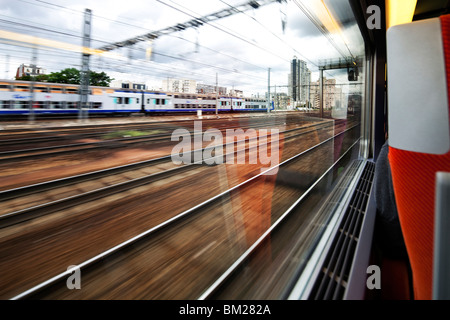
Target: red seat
x=418, y=60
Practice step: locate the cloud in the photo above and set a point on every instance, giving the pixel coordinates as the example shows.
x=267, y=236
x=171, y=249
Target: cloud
x=239, y=48
x=300, y=25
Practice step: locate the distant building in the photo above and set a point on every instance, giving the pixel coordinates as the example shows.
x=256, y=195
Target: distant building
x=281, y=101
x=179, y=85
x=29, y=70
x=299, y=82
x=237, y=93
x=332, y=95
x=208, y=88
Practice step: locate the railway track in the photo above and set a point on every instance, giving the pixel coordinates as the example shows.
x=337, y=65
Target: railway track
x=58, y=150
x=89, y=158
x=186, y=256
x=89, y=129
x=32, y=201
x=105, y=202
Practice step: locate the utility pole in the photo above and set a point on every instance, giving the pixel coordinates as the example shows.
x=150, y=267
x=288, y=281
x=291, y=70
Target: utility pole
x=84, y=83
x=269, y=103
x=276, y=102
x=7, y=67
x=31, y=115
x=217, y=93
x=321, y=93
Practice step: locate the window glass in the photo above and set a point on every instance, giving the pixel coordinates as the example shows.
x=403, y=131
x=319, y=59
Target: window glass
x=304, y=60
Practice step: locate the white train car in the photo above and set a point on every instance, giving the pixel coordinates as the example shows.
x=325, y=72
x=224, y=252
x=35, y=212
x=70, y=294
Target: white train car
x=256, y=104
x=16, y=98
x=185, y=102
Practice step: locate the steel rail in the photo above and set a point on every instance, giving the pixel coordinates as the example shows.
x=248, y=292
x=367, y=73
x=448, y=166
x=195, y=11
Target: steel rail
x=98, y=258
x=10, y=156
x=61, y=204
x=214, y=287
x=26, y=190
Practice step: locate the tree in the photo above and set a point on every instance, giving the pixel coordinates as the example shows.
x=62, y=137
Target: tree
x=99, y=79
x=72, y=76
x=38, y=78
x=68, y=75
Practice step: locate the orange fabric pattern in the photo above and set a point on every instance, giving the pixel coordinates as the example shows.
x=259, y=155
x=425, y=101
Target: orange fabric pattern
x=413, y=177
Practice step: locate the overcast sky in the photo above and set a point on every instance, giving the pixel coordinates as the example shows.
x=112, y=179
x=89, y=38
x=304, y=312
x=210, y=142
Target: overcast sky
x=239, y=48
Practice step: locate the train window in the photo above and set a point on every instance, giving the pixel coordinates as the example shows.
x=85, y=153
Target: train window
x=71, y=91
x=56, y=105
x=22, y=88
x=318, y=89
x=97, y=91
x=20, y=104
x=41, y=89
x=38, y=104
x=291, y=188
x=5, y=104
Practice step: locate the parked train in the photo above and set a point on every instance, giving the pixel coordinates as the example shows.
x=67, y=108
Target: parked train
x=16, y=98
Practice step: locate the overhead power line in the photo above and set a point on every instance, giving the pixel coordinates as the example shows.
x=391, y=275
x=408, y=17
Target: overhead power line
x=106, y=42
x=194, y=23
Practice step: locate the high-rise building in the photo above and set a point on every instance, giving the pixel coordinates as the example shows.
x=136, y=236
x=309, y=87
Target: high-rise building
x=299, y=82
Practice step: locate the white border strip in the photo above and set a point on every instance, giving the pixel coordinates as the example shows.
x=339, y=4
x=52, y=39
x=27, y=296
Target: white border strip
x=301, y=290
